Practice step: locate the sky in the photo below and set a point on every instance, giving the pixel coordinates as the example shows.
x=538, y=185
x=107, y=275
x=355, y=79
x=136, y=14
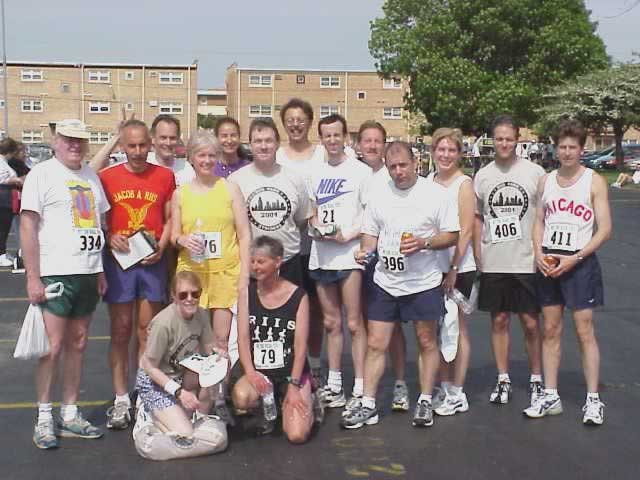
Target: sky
x=253, y=33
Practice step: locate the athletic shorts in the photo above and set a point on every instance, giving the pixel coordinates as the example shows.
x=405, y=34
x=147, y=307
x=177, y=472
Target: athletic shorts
x=384, y=307
x=292, y=270
x=327, y=277
x=577, y=289
x=280, y=383
x=79, y=298
x=308, y=283
x=508, y=292
x=464, y=282
x=147, y=282
x=219, y=289
x=153, y=395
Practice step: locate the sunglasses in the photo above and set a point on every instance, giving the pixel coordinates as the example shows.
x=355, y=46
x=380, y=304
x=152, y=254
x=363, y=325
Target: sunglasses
x=193, y=294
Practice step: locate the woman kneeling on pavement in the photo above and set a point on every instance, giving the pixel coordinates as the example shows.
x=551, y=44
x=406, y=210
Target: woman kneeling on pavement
x=272, y=344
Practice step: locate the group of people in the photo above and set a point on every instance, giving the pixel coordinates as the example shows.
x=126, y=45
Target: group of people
x=262, y=260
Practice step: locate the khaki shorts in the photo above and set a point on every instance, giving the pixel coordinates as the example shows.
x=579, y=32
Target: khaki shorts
x=80, y=296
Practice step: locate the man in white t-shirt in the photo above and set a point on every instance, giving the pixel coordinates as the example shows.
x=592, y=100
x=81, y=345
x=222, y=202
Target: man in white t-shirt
x=339, y=192
x=506, y=203
x=406, y=221
x=62, y=239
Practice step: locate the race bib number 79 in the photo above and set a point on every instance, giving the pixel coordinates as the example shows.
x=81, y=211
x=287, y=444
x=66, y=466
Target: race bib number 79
x=268, y=355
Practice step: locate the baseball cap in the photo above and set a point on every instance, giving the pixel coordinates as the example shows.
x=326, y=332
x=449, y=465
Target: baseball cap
x=73, y=128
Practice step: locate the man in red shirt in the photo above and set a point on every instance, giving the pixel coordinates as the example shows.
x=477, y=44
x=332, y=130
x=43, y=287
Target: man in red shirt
x=139, y=194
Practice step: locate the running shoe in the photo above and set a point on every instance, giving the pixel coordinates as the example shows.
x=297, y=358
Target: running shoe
x=334, y=399
x=359, y=417
x=79, y=427
x=119, y=416
x=6, y=261
x=544, y=405
x=593, y=412
x=353, y=403
x=501, y=393
x=18, y=264
x=400, y=402
x=453, y=404
x=438, y=398
x=224, y=414
x=44, y=435
x=423, y=416
x=536, y=390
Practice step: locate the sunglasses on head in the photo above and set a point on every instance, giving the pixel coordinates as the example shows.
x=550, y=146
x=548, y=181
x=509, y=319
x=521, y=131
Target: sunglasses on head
x=192, y=293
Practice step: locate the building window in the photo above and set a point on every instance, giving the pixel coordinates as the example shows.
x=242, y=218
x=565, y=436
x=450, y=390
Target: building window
x=2, y=103
x=329, y=82
x=31, y=76
x=260, y=80
x=361, y=95
x=99, y=137
x=259, y=110
x=300, y=79
x=171, y=78
x=129, y=75
x=1, y=73
x=326, y=110
x=32, y=136
x=99, y=76
x=128, y=106
x=392, y=113
x=99, y=107
x=65, y=87
x=171, y=108
x=31, y=105
x=391, y=83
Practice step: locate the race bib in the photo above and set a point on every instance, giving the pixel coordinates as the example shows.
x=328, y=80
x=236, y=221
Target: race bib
x=389, y=252
x=505, y=229
x=327, y=215
x=88, y=240
x=561, y=236
x=212, y=244
x=268, y=355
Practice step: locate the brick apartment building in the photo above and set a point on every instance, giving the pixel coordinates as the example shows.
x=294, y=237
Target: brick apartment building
x=212, y=101
x=357, y=95
x=42, y=92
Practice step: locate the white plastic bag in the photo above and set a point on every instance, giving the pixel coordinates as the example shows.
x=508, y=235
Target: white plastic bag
x=449, y=331
x=33, y=341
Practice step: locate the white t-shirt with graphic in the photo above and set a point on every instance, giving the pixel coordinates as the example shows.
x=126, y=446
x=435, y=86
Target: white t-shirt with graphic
x=507, y=201
x=182, y=169
x=276, y=204
x=339, y=193
x=69, y=203
x=422, y=210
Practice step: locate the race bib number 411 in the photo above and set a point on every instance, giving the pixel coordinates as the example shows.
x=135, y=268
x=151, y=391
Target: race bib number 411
x=561, y=236
x=268, y=355
x=505, y=229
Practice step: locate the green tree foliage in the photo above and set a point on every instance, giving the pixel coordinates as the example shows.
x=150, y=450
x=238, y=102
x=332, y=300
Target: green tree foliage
x=605, y=99
x=208, y=122
x=468, y=60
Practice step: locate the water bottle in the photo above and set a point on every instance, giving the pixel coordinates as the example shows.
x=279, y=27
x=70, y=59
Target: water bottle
x=463, y=302
x=197, y=233
x=269, y=403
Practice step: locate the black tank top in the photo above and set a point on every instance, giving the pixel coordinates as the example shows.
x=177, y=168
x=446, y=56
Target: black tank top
x=272, y=333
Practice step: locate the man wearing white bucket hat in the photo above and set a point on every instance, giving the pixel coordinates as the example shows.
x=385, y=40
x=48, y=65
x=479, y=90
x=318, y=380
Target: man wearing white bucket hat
x=62, y=239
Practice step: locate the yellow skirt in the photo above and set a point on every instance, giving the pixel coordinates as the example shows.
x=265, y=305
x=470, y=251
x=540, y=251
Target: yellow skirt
x=219, y=289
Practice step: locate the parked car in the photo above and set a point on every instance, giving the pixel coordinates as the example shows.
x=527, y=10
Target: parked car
x=587, y=158
x=629, y=152
x=37, y=153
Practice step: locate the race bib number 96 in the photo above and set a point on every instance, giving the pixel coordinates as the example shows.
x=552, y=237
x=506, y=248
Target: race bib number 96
x=505, y=229
x=212, y=244
x=268, y=355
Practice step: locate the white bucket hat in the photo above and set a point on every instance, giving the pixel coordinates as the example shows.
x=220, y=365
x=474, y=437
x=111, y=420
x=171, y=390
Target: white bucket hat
x=73, y=128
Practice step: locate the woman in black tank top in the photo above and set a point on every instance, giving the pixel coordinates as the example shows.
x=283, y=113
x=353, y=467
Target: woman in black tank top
x=272, y=342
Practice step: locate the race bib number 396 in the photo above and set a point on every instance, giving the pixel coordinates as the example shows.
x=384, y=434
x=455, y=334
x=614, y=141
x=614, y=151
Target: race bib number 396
x=505, y=229
x=268, y=355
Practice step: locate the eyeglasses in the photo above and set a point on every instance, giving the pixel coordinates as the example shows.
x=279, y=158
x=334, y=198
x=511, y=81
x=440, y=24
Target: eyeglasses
x=195, y=294
x=295, y=121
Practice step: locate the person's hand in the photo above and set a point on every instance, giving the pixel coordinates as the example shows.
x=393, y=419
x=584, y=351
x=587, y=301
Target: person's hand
x=295, y=400
x=567, y=263
x=102, y=284
x=35, y=291
x=449, y=281
x=192, y=243
x=360, y=256
x=259, y=382
x=153, y=258
x=119, y=243
x=337, y=237
x=412, y=245
x=189, y=400
x=543, y=265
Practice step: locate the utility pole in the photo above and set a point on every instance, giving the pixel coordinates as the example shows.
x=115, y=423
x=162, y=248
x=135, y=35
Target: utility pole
x=6, y=73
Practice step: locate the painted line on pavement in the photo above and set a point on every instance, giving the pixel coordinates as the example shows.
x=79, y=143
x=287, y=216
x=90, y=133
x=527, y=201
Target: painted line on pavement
x=23, y=405
x=98, y=338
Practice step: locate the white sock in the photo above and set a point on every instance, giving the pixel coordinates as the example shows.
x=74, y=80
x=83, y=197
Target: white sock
x=314, y=362
x=358, y=387
x=535, y=378
x=44, y=412
x=68, y=412
x=123, y=399
x=593, y=397
x=400, y=383
x=424, y=396
x=446, y=386
x=368, y=402
x=335, y=380
x=551, y=391
x=504, y=377
x=455, y=391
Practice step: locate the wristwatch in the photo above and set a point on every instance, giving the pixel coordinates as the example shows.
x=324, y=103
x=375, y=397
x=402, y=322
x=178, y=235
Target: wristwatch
x=295, y=382
x=177, y=392
x=455, y=268
x=427, y=244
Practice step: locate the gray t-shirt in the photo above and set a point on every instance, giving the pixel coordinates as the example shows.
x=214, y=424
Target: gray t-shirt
x=172, y=338
x=507, y=201
x=276, y=204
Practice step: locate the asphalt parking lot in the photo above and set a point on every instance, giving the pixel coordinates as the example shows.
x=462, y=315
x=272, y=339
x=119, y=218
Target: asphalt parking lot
x=487, y=442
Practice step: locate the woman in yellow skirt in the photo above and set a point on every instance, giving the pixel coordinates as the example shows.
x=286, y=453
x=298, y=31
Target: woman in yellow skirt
x=211, y=230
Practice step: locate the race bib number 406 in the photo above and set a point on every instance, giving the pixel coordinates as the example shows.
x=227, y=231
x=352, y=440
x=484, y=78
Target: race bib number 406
x=268, y=355
x=505, y=229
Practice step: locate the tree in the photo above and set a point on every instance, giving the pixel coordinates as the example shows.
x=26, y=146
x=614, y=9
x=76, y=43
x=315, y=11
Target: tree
x=468, y=60
x=208, y=122
x=604, y=99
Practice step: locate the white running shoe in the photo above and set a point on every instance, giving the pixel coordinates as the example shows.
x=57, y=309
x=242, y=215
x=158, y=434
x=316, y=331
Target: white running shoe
x=400, y=401
x=453, y=404
x=593, y=412
x=6, y=261
x=543, y=406
x=501, y=393
x=438, y=397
